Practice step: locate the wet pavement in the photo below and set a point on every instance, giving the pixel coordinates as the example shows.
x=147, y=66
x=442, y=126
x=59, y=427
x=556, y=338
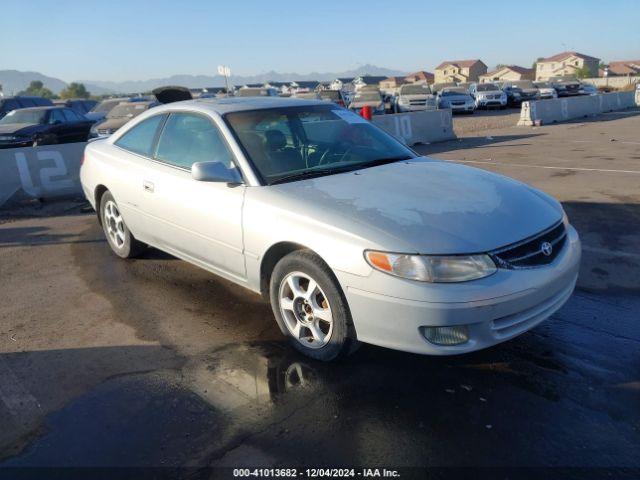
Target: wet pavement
x=154, y=362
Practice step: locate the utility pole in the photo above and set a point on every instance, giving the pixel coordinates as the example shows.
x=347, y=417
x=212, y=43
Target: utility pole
x=226, y=73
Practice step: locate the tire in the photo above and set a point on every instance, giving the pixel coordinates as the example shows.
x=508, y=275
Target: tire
x=318, y=324
x=120, y=239
x=46, y=139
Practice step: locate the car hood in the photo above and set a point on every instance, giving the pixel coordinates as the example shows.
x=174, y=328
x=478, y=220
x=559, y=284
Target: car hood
x=489, y=92
x=19, y=128
x=417, y=96
x=456, y=98
x=426, y=206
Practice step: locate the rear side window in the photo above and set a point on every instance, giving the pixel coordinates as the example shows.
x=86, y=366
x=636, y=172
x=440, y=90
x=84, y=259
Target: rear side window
x=141, y=137
x=71, y=116
x=188, y=138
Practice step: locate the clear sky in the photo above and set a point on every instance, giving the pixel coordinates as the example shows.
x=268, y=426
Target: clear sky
x=137, y=40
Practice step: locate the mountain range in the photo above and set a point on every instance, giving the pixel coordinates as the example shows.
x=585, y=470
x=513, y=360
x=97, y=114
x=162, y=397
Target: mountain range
x=14, y=81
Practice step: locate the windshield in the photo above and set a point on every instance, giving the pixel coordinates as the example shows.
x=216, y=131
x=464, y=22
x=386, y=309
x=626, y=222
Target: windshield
x=450, y=93
x=24, y=116
x=291, y=143
x=130, y=110
x=523, y=84
x=542, y=84
x=367, y=97
x=487, y=87
x=420, y=89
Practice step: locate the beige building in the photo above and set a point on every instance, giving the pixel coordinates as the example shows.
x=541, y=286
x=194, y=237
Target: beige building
x=508, y=73
x=459, y=71
x=566, y=63
x=419, y=77
x=391, y=83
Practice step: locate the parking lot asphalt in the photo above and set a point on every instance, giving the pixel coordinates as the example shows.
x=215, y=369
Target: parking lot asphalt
x=153, y=362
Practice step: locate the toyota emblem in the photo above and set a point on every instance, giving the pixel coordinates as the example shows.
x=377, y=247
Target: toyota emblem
x=546, y=248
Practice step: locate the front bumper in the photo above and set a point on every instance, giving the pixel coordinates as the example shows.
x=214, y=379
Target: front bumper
x=467, y=107
x=494, y=309
x=491, y=102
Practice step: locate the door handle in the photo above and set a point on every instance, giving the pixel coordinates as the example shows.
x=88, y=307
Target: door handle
x=148, y=186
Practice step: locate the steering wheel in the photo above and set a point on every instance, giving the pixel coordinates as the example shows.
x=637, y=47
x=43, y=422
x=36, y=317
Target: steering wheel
x=331, y=150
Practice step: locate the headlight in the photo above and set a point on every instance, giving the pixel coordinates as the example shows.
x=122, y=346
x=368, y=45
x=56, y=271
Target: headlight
x=432, y=268
x=565, y=219
x=8, y=138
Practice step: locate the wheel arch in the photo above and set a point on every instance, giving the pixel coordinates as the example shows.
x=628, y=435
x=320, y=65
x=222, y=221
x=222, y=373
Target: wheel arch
x=271, y=257
x=99, y=191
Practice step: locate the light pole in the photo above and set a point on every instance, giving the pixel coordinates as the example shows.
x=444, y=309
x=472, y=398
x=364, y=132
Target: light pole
x=606, y=77
x=226, y=73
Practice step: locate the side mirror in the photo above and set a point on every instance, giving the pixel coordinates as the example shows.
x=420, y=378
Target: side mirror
x=214, y=172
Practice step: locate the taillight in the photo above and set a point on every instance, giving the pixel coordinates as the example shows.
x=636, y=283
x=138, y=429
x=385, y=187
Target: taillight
x=341, y=103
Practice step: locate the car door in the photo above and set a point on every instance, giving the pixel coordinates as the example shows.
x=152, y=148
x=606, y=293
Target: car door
x=199, y=221
x=128, y=166
x=57, y=126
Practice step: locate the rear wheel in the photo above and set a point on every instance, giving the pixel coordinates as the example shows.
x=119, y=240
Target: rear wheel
x=310, y=308
x=120, y=239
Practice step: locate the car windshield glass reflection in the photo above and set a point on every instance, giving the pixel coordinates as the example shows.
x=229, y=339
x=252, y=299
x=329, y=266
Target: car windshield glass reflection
x=292, y=143
x=24, y=116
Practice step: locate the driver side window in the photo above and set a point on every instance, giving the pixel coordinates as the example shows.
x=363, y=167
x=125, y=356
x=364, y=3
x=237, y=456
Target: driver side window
x=189, y=138
x=56, y=116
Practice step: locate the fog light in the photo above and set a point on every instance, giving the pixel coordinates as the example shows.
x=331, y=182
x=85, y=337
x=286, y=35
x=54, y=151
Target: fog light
x=447, y=335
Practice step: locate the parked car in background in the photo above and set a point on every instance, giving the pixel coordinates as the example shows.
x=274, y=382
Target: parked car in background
x=37, y=126
x=100, y=110
x=414, y=97
x=566, y=86
x=257, y=92
x=80, y=105
x=488, y=95
x=545, y=90
x=8, y=104
x=526, y=90
x=368, y=98
x=307, y=95
x=119, y=115
x=437, y=87
x=588, y=89
x=457, y=99
x=334, y=96
x=350, y=234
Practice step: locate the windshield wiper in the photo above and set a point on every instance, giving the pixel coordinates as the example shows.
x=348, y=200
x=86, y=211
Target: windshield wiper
x=329, y=171
x=308, y=174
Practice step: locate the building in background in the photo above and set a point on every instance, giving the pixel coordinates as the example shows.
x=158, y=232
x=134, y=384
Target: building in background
x=345, y=84
x=391, y=83
x=420, y=77
x=367, y=81
x=459, y=71
x=623, y=68
x=567, y=63
x=507, y=73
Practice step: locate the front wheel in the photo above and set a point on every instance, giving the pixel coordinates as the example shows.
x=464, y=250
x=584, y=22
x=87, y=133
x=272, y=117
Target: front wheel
x=310, y=307
x=120, y=239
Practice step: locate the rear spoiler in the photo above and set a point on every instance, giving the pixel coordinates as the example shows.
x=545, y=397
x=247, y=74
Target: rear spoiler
x=172, y=94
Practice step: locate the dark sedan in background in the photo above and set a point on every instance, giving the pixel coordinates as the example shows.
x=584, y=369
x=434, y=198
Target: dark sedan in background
x=42, y=126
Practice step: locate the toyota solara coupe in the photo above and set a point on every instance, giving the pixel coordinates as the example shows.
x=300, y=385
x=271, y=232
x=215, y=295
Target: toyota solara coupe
x=350, y=235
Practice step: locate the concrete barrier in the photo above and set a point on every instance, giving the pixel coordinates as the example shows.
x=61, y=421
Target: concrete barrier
x=544, y=112
x=40, y=172
x=418, y=127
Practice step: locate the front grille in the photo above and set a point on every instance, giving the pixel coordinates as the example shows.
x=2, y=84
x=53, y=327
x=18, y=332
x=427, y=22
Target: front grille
x=530, y=253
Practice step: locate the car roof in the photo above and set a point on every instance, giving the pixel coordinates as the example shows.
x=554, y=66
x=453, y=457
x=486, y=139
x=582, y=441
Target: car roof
x=47, y=107
x=225, y=105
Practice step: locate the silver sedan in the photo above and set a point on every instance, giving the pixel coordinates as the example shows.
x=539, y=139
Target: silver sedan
x=349, y=234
